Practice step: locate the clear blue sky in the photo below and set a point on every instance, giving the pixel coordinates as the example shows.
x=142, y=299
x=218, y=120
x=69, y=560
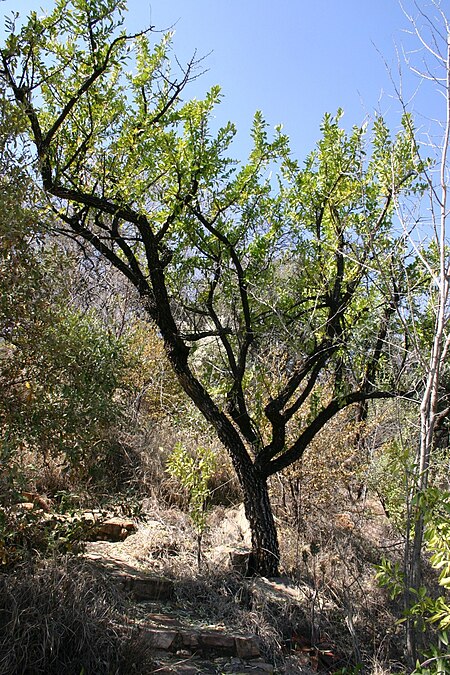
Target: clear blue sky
x=293, y=59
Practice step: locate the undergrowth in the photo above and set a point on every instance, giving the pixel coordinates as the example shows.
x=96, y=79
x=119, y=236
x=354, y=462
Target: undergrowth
x=59, y=617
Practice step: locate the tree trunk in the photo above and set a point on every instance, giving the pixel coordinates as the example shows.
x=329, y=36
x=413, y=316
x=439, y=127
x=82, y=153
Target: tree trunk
x=439, y=352
x=265, y=556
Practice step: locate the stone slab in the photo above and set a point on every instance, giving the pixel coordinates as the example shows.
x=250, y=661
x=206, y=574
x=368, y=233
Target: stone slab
x=149, y=588
x=247, y=647
x=219, y=643
x=161, y=639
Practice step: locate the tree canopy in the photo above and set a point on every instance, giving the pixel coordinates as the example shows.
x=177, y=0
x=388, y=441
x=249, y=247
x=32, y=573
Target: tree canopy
x=274, y=284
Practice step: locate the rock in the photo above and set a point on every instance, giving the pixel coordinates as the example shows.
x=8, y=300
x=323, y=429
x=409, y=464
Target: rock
x=191, y=640
x=218, y=643
x=247, y=648
x=39, y=501
x=260, y=667
x=186, y=669
x=166, y=620
x=147, y=588
x=100, y=528
x=113, y=529
x=236, y=663
x=25, y=506
x=161, y=639
x=278, y=589
x=235, y=528
x=239, y=559
x=344, y=522
x=96, y=527
x=231, y=557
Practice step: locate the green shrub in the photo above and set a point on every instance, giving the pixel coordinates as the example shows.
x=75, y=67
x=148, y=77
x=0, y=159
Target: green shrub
x=194, y=473
x=427, y=609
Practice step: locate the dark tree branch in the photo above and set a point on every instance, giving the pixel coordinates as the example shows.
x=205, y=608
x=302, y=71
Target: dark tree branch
x=236, y=399
x=87, y=84
x=295, y=452
x=315, y=372
x=76, y=223
x=177, y=89
x=276, y=405
x=194, y=337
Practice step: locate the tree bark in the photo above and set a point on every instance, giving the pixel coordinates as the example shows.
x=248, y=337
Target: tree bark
x=265, y=556
x=440, y=347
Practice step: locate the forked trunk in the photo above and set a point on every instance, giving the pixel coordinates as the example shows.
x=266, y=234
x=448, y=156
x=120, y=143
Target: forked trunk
x=265, y=556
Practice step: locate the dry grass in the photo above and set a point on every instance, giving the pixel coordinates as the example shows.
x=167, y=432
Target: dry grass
x=228, y=600
x=152, y=449
x=328, y=561
x=332, y=558
x=60, y=618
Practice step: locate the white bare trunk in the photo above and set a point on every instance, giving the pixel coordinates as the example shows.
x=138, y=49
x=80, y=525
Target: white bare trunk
x=439, y=349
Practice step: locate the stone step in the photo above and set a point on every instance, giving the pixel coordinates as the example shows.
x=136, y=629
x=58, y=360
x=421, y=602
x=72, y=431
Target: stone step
x=145, y=588
x=168, y=634
x=166, y=628
x=142, y=586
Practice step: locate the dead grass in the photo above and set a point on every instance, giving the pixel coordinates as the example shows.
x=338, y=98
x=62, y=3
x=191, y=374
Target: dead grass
x=152, y=449
x=228, y=600
x=58, y=617
x=332, y=558
x=329, y=562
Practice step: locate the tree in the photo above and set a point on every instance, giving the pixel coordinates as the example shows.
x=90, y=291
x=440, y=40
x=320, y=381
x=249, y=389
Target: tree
x=268, y=294
x=428, y=336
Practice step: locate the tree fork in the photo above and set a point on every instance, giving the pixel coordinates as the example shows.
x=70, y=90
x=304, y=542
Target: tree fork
x=265, y=555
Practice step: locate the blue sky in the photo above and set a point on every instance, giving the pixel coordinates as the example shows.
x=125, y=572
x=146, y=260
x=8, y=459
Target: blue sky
x=293, y=59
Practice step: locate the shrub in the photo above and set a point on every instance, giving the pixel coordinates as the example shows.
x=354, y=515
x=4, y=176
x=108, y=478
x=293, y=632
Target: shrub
x=194, y=474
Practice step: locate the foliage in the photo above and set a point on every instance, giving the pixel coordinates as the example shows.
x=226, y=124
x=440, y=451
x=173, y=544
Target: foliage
x=268, y=280
x=389, y=478
x=322, y=479
x=60, y=383
x=151, y=387
x=194, y=473
x=59, y=368
x=63, y=371
x=25, y=534
x=432, y=30
x=435, y=611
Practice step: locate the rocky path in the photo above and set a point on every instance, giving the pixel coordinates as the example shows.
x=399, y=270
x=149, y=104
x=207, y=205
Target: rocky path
x=180, y=641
